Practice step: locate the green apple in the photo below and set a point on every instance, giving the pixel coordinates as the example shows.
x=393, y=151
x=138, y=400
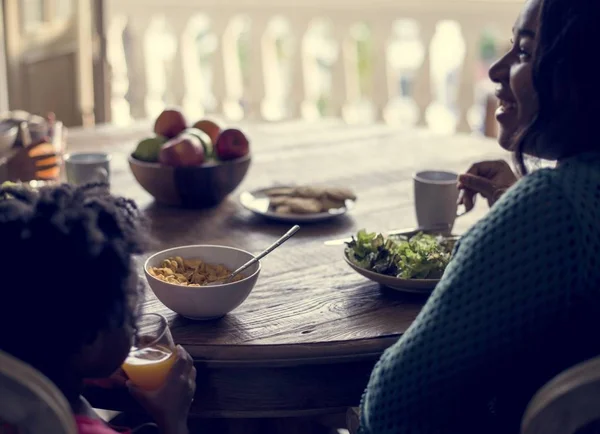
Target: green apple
x=205, y=139
x=149, y=148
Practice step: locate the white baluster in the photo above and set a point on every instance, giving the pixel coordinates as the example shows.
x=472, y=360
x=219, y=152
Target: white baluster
x=255, y=93
x=299, y=26
x=234, y=79
x=423, y=94
x=176, y=88
x=120, y=109
x=84, y=62
x=339, y=91
x=381, y=28
x=277, y=70
x=359, y=87
x=158, y=61
x=447, y=58
x=193, y=77
x=405, y=55
x=136, y=64
x=466, y=95
x=218, y=25
x=318, y=48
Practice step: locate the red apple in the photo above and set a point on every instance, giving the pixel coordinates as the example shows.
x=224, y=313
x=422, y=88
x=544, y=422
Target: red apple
x=183, y=151
x=209, y=127
x=232, y=144
x=170, y=123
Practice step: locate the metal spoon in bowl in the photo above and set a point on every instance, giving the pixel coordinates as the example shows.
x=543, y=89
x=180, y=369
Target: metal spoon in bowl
x=258, y=257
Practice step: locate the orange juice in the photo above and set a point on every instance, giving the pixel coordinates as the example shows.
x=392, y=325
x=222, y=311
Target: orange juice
x=148, y=367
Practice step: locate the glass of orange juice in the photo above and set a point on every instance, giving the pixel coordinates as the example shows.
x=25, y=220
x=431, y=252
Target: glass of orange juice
x=153, y=353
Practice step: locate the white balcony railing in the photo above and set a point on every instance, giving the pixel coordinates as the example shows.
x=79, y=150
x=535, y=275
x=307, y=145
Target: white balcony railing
x=402, y=61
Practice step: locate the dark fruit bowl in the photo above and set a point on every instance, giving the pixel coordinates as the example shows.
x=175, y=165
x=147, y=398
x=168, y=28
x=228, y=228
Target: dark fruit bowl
x=190, y=187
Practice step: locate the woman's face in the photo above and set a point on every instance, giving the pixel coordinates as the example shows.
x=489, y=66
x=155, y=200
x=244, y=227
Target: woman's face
x=513, y=76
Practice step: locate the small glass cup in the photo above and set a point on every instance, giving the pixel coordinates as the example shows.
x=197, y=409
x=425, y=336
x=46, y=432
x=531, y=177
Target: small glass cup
x=153, y=353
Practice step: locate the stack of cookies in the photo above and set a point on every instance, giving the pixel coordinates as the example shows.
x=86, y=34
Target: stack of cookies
x=308, y=199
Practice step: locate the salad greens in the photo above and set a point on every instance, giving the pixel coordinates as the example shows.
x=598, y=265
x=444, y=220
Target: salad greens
x=421, y=256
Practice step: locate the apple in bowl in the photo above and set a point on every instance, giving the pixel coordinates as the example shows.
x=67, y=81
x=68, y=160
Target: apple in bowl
x=232, y=144
x=170, y=123
x=182, y=151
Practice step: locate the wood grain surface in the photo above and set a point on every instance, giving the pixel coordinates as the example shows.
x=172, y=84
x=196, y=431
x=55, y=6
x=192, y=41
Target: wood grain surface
x=307, y=336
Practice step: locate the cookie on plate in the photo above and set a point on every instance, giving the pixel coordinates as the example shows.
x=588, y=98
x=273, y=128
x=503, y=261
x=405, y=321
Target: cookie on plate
x=278, y=200
x=340, y=193
x=280, y=191
x=328, y=203
x=310, y=191
x=301, y=205
x=283, y=209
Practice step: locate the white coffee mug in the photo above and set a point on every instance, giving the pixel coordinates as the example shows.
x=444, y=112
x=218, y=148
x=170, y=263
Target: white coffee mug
x=87, y=167
x=436, y=199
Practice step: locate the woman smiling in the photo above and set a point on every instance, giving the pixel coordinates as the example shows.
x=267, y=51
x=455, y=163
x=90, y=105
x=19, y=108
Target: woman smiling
x=520, y=301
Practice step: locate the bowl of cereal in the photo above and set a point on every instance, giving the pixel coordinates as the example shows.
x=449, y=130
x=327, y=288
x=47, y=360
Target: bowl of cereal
x=183, y=279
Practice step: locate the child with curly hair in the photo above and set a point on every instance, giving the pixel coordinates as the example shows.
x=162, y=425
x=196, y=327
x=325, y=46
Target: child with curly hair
x=69, y=295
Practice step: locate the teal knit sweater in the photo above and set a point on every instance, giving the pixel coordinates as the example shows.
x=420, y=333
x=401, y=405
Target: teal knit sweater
x=518, y=304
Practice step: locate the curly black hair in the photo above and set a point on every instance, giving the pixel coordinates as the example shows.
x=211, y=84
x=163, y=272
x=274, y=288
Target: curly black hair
x=565, y=81
x=67, y=255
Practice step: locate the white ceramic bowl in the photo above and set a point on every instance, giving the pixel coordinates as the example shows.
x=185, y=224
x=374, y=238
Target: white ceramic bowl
x=204, y=302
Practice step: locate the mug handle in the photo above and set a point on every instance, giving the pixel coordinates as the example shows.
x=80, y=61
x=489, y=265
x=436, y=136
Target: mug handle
x=460, y=196
x=101, y=175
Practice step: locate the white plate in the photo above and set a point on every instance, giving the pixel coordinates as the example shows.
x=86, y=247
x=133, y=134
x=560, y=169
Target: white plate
x=258, y=201
x=418, y=286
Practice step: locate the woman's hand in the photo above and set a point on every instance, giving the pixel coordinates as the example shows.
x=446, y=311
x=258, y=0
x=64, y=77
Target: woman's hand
x=169, y=406
x=490, y=179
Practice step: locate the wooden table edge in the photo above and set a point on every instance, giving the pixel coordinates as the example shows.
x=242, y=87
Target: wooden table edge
x=290, y=355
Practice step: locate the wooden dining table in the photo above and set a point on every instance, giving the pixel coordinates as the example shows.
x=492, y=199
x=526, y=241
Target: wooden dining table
x=305, y=341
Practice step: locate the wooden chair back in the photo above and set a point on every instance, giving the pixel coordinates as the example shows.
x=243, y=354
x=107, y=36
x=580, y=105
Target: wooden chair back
x=29, y=402
x=567, y=403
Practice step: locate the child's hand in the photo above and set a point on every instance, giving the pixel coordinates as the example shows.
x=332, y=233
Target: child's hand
x=169, y=406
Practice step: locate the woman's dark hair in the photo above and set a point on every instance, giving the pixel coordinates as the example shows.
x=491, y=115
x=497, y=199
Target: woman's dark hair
x=566, y=83
x=66, y=255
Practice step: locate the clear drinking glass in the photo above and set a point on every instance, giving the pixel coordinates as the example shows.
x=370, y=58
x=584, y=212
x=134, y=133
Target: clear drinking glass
x=152, y=354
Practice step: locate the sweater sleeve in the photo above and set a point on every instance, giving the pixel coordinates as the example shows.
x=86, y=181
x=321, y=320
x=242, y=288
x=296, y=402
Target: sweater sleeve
x=511, y=280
